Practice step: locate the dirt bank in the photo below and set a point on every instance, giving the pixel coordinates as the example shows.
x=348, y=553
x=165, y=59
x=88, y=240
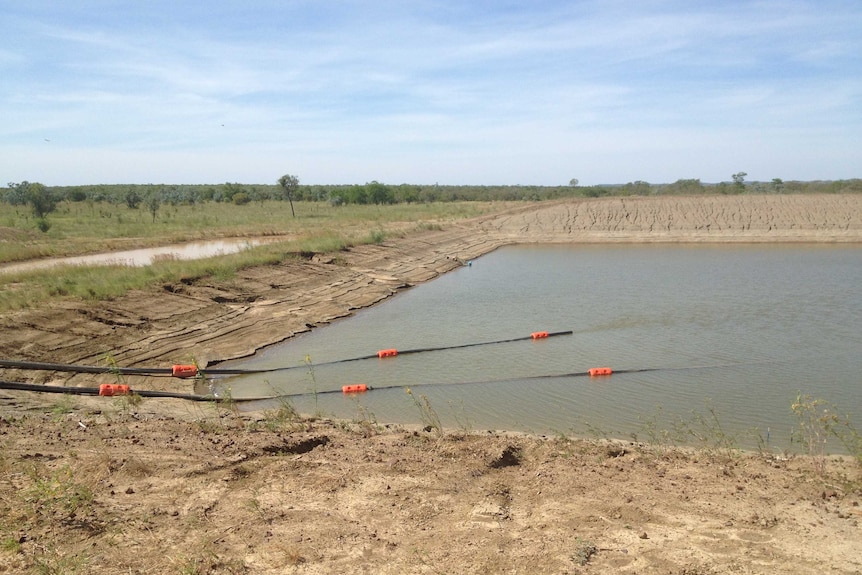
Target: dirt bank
x=97, y=485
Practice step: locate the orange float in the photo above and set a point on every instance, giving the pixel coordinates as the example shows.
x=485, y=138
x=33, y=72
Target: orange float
x=600, y=371
x=387, y=353
x=112, y=389
x=183, y=371
x=355, y=388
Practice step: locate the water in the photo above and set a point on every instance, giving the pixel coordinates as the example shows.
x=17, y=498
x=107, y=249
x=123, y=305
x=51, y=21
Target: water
x=144, y=256
x=735, y=330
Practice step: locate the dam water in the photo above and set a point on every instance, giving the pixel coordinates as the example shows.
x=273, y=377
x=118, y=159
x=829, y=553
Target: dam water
x=726, y=335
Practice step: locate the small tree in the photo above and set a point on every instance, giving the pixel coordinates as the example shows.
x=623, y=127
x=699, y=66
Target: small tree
x=777, y=185
x=40, y=198
x=133, y=199
x=574, y=182
x=739, y=182
x=153, y=202
x=289, y=185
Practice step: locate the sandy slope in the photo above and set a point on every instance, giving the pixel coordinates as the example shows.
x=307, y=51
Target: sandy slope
x=101, y=486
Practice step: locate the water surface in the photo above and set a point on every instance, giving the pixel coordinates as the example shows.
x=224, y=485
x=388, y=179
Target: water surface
x=735, y=330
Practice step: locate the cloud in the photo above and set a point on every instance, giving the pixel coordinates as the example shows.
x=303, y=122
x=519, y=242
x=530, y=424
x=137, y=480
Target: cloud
x=472, y=90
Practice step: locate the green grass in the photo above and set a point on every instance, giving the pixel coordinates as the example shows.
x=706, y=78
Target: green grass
x=80, y=228
x=87, y=227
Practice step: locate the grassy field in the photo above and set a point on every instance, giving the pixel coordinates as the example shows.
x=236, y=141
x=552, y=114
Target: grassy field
x=84, y=227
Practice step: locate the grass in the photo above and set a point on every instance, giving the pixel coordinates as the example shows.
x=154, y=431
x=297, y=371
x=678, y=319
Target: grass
x=427, y=413
x=87, y=227
x=318, y=228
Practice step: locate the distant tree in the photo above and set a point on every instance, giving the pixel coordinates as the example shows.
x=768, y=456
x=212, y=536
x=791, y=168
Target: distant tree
x=133, y=199
x=289, y=184
x=40, y=198
x=77, y=195
x=230, y=190
x=241, y=199
x=379, y=193
x=777, y=185
x=574, y=182
x=16, y=195
x=153, y=202
x=739, y=182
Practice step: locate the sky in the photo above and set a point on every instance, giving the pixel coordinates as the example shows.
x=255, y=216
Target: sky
x=455, y=92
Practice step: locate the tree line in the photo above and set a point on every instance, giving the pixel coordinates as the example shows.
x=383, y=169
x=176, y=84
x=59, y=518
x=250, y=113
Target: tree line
x=43, y=199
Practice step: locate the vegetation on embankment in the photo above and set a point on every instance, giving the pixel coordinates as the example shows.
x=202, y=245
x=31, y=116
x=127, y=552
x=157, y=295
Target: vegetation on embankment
x=77, y=229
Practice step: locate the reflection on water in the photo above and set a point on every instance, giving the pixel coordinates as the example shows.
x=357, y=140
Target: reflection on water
x=144, y=256
x=738, y=330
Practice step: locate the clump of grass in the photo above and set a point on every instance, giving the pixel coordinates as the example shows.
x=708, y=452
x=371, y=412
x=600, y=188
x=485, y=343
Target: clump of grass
x=57, y=494
x=377, y=237
x=817, y=421
x=427, y=413
x=52, y=562
x=584, y=551
x=64, y=406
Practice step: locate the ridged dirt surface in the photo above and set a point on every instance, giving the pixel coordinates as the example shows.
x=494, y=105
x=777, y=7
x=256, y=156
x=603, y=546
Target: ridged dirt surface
x=98, y=485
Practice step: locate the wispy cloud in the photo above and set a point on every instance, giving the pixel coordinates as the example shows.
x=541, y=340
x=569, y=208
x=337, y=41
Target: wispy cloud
x=438, y=90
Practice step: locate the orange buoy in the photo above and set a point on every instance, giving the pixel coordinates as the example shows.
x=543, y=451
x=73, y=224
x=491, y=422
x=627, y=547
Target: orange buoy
x=355, y=388
x=184, y=371
x=600, y=371
x=539, y=334
x=112, y=389
x=387, y=353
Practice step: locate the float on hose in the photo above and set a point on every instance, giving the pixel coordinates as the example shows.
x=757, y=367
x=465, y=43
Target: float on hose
x=354, y=388
x=387, y=353
x=112, y=389
x=184, y=371
x=596, y=371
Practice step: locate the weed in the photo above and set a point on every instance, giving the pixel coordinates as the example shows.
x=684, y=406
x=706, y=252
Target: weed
x=377, y=236
x=584, y=551
x=426, y=413
x=57, y=494
x=52, y=562
x=709, y=434
x=460, y=416
x=64, y=406
x=281, y=418
x=114, y=368
x=310, y=367
x=366, y=420
x=11, y=545
x=816, y=423
x=657, y=435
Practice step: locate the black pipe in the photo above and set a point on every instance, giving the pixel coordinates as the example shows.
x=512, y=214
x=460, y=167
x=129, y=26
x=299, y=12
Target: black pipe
x=167, y=371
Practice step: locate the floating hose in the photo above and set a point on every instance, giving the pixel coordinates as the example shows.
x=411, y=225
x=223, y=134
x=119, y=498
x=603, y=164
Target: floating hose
x=186, y=371
x=114, y=389
x=107, y=390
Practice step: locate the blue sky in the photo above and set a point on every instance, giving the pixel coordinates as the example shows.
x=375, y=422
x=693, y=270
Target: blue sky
x=425, y=91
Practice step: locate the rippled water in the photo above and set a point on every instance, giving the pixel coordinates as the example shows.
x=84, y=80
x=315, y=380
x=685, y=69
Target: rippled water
x=735, y=330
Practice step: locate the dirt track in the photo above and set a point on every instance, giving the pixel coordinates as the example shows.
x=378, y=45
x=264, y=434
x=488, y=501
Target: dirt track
x=106, y=486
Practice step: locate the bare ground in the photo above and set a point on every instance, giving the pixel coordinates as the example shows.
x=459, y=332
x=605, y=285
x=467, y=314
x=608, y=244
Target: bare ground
x=99, y=485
